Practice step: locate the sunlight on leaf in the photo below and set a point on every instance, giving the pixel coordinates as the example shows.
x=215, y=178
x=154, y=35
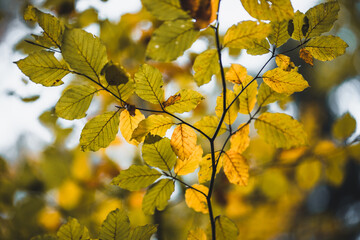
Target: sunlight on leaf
x=197, y=200
x=116, y=226
x=157, y=196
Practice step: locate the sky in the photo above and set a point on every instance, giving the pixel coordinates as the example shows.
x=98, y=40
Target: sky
x=21, y=119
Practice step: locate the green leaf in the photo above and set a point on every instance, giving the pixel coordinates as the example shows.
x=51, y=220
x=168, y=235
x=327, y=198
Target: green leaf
x=266, y=95
x=171, y=39
x=154, y=124
x=260, y=47
x=225, y=229
x=245, y=34
x=100, y=131
x=75, y=101
x=123, y=91
x=136, y=177
x=84, y=52
x=165, y=9
x=149, y=84
x=280, y=130
x=208, y=125
x=322, y=18
x=72, y=230
x=187, y=101
x=344, y=127
x=142, y=232
x=326, y=48
x=206, y=64
x=279, y=34
x=53, y=28
x=157, y=196
x=115, y=74
x=283, y=81
x=159, y=154
x=116, y=226
x=42, y=67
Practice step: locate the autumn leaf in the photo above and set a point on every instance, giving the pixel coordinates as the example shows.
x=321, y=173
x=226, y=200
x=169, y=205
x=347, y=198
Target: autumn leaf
x=183, y=101
x=203, y=11
x=279, y=34
x=306, y=56
x=298, y=23
x=240, y=140
x=232, y=113
x=159, y=154
x=188, y=165
x=344, y=127
x=206, y=64
x=72, y=230
x=205, y=171
x=266, y=95
x=183, y=141
x=284, y=62
x=225, y=228
x=326, y=48
x=236, y=168
x=247, y=97
x=128, y=123
x=142, y=232
x=208, y=125
x=157, y=196
x=237, y=74
x=154, y=124
x=115, y=74
x=197, y=200
x=269, y=10
x=116, y=226
x=165, y=9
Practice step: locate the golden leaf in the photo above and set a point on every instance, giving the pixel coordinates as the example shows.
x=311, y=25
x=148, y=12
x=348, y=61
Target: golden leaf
x=171, y=100
x=129, y=123
x=236, y=168
x=284, y=62
x=188, y=165
x=240, y=140
x=183, y=141
x=197, y=200
x=236, y=74
x=306, y=56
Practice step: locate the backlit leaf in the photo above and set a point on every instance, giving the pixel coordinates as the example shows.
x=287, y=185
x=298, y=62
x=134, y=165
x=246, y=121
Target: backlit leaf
x=116, y=226
x=203, y=11
x=159, y=154
x=188, y=165
x=260, y=47
x=322, y=18
x=326, y=48
x=237, y=74
x=236, y=168
x=245, y=34
x=247, y=97
x=142, y=232
x=308, y=173
x=231, y=115
x=306, y=56
x=171, y=100
x=129, y=123
x=171, y=39
x=344, y=127
x=75, y=101
x=298, y=23
x=157, y=196
x=284, y=62
x=280, y=130
x=183, y=141
x=53, y=28
x=187, y=101
x=84, y=52
x=196, y=234
x=225, y=228
x=240, y=140
x=123, y=91
x=206, y=64
x=269, y=9
x=205, y=171
x=286, y=82
x=208, y=125
x=149, y=84
x=197, y=200
x=266, y=95
x=279, y=34
x=136, y=177
x=165, y=9
x=100, y=131
x=42, y=67
x=115, y=74
x=154, y=124
x=72, y=230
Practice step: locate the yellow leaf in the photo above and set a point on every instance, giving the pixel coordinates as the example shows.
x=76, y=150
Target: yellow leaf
x=283, y=81
x=206, y=64
x=171, y=100
x=129, y=123
x=197, y=200
x=269, y=9
x=245, y=34
x=149, y=84
x=188, y=165
x=266, y=95
x=205, y=171
x=157, y=196
x=183, y=141
x=84, y=52
x=322, y=18
x=184, y=101
x=326, y=48
x=165, y=9
x=196, y=234
x=308, y=173
x=260, y=47
x=279, y=34
x=284, y=62
x=298, y=23
x=208, y=125
x=236, y=168
x=280, y=130
x=247, y=97
x=43, y=68
x=232, y=113
x=240, y=140
x=237, y=74
x=69, y=195
x=81, y=166
x=306, y=56
x=154, y=124
x=271, y=178
x=344, y=127
x=203, y=11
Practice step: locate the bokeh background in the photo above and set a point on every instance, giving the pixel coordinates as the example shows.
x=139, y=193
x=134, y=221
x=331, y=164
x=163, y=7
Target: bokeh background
x=304, y=193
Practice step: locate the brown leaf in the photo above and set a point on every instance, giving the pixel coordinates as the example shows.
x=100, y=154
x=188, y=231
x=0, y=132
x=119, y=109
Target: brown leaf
x=306, y=56
x=204, y=11
x=171, y=100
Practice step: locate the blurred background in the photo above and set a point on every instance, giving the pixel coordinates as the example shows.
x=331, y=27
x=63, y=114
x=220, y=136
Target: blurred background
x=303, y=193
